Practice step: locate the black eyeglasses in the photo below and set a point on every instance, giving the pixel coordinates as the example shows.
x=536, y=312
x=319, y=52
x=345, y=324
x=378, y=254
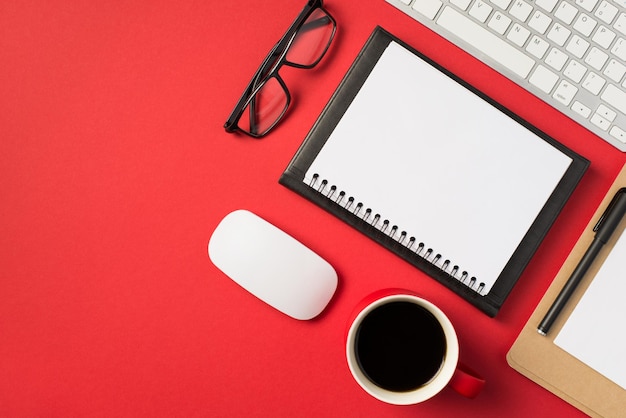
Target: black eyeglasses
x=266, y=99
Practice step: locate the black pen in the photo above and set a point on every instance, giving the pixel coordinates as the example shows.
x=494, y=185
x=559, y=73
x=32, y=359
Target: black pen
x=604, y=228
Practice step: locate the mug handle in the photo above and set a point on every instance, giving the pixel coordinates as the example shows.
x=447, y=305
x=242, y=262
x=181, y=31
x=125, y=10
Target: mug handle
x=466, y=381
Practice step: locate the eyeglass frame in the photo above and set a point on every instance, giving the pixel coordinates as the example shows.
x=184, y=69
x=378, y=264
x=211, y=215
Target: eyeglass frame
x=276, y=58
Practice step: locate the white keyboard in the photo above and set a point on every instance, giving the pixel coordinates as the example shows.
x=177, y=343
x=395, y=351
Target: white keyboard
x=569, y=53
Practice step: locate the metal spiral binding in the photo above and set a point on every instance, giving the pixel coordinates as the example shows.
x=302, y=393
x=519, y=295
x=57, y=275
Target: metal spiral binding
x=350, y=204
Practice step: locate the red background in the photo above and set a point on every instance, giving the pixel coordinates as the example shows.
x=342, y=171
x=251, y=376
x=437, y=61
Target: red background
x=114, y=171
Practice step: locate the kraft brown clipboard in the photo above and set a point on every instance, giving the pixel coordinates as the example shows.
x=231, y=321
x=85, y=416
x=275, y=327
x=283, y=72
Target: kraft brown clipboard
x=539, y=359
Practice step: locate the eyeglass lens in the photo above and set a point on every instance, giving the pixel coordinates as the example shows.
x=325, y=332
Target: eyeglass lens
x=265, y=108
x=271, y=100
x=312, y=39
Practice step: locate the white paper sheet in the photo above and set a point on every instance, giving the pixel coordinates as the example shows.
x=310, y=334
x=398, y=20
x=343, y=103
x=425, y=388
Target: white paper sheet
x=440, y=163
x=595, y=333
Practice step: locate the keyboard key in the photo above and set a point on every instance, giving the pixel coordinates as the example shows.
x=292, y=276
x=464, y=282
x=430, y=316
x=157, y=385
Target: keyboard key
x=566, y=12
x=521, y=10
x=518, y=35
x=606, y=12
x=499, y=22
x=581, y=109
x=428, y=8
x=588, y=5
x=544, y=79
x=537, y=47
x=615, y=70
x=618, y=134
x=606, y=113
x=593, y=83
x=556, y=59
x=620, y=2
x=600, y=122
x=559, y=34
x=480, y=11
x=461, y=4
x=619, y=49
x=596, y=58
x=486, y=42
x=565, y=92
x=547, y=5
x=575, y=71
x=615, y=97
x=585, y=24
x=604, y=37
x=620, y=23
x=539, y=22
x=503, y=4
x=577, y=46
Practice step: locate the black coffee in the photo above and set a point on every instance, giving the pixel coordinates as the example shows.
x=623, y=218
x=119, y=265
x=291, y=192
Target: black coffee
x=400, y=346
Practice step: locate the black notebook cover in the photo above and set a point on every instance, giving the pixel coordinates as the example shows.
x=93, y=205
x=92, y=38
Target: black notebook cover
x=367, y=153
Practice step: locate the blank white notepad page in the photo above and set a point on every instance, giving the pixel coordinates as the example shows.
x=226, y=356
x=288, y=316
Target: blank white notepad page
x=594, y=333
x=441, y=163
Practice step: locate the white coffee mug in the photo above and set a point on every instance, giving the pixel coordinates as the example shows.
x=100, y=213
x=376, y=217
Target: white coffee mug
x=403, y=350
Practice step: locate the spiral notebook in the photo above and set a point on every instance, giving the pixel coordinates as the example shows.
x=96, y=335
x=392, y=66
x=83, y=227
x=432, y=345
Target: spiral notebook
x=435, y=171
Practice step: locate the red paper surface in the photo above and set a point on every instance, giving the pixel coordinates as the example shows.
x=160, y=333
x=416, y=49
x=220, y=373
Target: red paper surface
x=115, y=170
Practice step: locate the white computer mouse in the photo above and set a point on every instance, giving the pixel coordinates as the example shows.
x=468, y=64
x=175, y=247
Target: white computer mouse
x=272, y=265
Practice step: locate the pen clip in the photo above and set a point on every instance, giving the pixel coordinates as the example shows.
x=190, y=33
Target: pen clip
x=608, y=209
